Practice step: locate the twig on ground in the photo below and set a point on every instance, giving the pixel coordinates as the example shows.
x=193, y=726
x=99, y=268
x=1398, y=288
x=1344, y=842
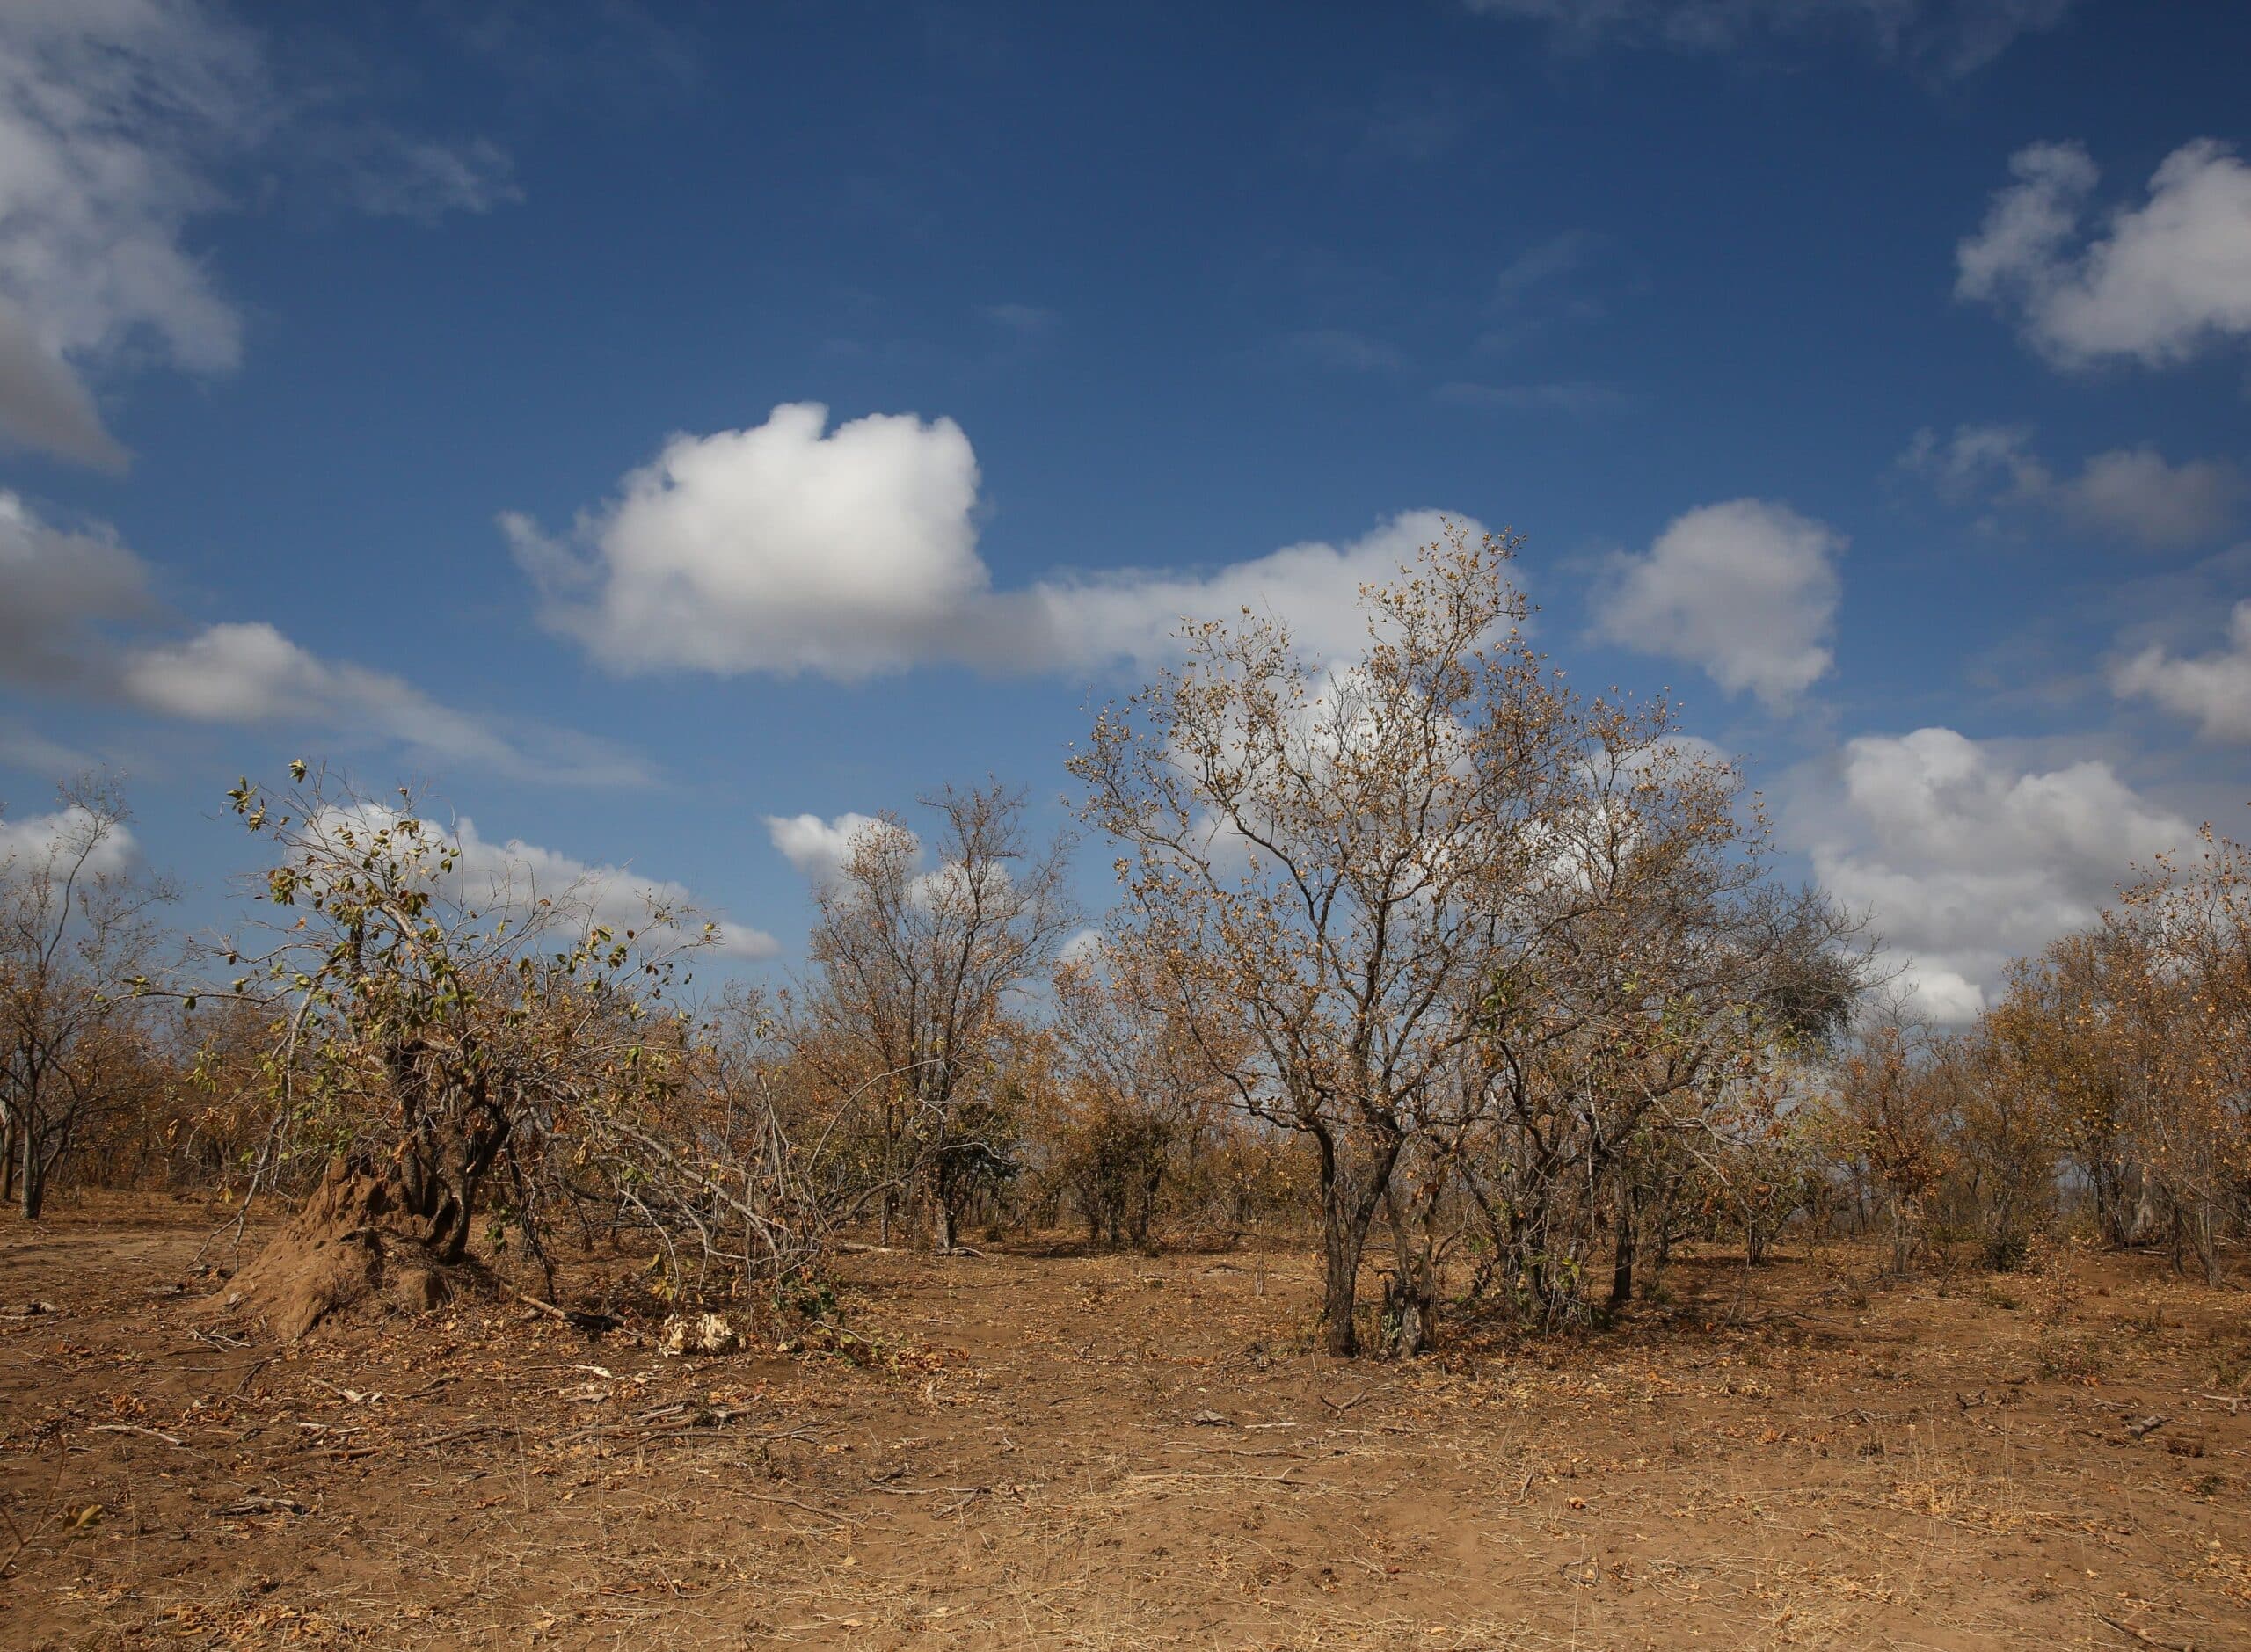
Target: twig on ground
x=825, y=1514
x=135, y=1427
x=579, y=1318
x=2143, y=1635
x=470, y=1433
x=1268, y=1480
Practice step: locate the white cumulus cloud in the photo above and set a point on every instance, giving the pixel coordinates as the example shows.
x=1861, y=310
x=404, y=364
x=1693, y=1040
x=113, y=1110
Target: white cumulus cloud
x=851, y=552
x=1746, y=590
x=2154, y=283
x=1965, y=858
x=1135, y=615
x=248, y=673
x=779, y=548
x=2134, y=492
x=56, y=586
x=614, y=895
x=815, y=847
x=2214, y=689
x=37, y=839
x=489, y=873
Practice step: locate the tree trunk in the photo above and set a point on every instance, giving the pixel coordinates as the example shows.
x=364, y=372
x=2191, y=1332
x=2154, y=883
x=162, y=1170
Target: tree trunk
x=1407, y=1318
x=1410, y=1295
x=1340, y=1269
x=1348, y=1206
x=2144, y=1217
x=2112, y=1214
x=1904, y=1218
x=31, y=1181
x=1621, y=1260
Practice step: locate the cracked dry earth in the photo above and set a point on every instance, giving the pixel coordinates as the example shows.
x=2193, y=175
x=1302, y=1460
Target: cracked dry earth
x=1057, y=1451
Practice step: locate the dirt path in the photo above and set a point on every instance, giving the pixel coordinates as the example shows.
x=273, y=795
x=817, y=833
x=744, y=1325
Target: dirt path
x=1122, y=1452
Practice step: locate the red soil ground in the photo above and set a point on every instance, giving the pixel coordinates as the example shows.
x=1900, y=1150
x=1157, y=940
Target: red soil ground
x=1057, y=1451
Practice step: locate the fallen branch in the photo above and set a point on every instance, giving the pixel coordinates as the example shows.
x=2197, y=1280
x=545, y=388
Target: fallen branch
x=257, y=1504
x=825, y=1514
x=593, y=1324
x=463, y=1434
x=2143, y=1635
x=1267, y=1480
x=135, y=1427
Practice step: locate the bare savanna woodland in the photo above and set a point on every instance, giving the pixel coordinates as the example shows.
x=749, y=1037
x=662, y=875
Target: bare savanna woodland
x=1459, y=1196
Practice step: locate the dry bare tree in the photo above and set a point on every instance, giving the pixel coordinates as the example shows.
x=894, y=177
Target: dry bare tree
x=1635, y=1022
x=1137, y=1102
x=78, y=940
x=1323, y=858
x=1443, y=916
x=2184, y=1000
x=1895, y=1101
x=2063, y=1031
x=922, y=960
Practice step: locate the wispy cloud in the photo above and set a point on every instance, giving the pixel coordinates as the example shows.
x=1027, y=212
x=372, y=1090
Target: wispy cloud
x=1340, y=350
x=122, y=122
x=1581, y=398
x=78, y=621
x=1941, y=38
x=2133, y=493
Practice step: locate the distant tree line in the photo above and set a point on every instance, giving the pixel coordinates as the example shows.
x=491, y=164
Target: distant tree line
x=1420, y=950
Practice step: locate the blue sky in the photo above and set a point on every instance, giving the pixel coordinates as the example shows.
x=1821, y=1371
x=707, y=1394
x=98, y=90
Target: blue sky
x=439, y=388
